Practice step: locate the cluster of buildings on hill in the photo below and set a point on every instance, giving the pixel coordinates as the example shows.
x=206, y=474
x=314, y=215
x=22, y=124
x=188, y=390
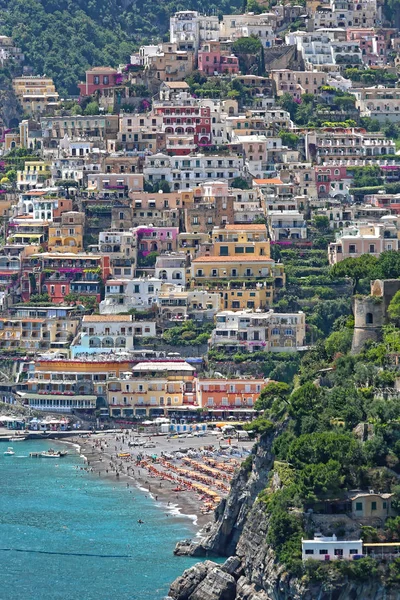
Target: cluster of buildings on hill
x=169, y=206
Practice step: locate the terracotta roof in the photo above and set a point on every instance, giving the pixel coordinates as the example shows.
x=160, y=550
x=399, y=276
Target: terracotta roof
x=106, y=318
x=176, y=84
x=249, y=227
x=240, y=259
x=22, y=320
x=274, y=181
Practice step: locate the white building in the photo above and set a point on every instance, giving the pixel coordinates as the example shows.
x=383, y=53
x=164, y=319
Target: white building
x=258, y=331
x=110, y=333
x=188, y=28
x=186, y=172
x=171, y=268
x=122, y=295
x=286, y=225
x=330, y=548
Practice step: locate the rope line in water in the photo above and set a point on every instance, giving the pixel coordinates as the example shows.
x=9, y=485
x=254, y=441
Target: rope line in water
x=66, y=553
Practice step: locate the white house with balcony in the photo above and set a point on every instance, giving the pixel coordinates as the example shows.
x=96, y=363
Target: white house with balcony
x=330, y=548
x=122, y=295
x=286, y=225
x=109, y=333
x=258, y=331
x=171, y=268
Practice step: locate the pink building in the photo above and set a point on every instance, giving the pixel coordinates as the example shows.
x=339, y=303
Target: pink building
x=156, y=239
x=211, y=59
x=331, y=180
x=373, y=45
x=98, y=79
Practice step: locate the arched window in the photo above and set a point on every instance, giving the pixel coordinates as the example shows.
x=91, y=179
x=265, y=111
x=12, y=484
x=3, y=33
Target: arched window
x=369, y=319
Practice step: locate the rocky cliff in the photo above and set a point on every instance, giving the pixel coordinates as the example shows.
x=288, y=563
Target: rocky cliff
x=252, y=571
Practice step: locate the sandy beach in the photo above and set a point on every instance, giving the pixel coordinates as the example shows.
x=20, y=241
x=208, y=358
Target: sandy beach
x=165, y=467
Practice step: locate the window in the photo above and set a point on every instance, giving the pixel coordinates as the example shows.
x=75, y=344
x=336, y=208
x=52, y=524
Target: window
x=338, y=551
x=353, y=551
x=250, y=250
x=309, y=551
x=384, y=504
x=373, y=505
x=323, y=551
x=224, y=251
x=239, y=250
x=352, y=249
x=369, y=319
x=359, y=506
x=372, y=248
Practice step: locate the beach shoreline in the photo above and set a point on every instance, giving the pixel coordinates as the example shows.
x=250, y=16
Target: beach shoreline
x=99, y=452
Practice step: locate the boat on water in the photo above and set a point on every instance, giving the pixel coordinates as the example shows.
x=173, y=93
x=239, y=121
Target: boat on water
x=18, y=439
x=9, y=451
x=50, y=453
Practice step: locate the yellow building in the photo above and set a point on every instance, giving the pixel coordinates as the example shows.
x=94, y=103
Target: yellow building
x=36, y=94
x=152, y=389
x=33, y=334
x=67, y=236
x=35, y=172
x=239, y=267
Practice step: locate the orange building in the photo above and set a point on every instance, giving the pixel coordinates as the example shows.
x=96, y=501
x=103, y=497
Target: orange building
x=229, y=396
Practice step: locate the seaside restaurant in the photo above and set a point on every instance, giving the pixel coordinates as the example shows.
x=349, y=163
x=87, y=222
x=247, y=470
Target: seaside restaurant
x=13, y=423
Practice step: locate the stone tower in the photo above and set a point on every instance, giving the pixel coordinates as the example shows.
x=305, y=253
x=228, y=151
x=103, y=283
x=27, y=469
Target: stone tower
x=370, y=312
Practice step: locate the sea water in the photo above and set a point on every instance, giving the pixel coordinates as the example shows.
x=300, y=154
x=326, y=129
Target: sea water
x=66, y=534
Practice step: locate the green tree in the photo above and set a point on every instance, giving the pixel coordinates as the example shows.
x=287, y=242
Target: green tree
x=355, y=268
x=92, y=109
x=291, y=140
x=394, y=308
x=271, y=393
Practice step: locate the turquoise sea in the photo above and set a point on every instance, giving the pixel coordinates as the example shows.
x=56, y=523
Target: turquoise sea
x=69, y=535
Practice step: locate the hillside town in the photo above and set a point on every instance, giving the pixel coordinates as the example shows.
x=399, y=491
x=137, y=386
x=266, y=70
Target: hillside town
x=166, y=216
x=205, y=233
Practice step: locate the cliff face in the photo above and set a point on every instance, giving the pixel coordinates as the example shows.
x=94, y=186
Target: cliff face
x=252, y=572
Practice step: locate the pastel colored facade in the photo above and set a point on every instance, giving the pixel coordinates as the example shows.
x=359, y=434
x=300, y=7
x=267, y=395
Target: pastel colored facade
x=36, y=94
x=373, y=45
x=115, y=184
x=170, y=63
x=252, y=332
x=228, y=395
x=61, y=273
x=153, y=389
x=346, y=144
x=109, y=333
x=161, y=209
x=126, y=294
x=297, y=83
x=100, y=127
x=332, y=180
x=390, y=202
x=35, y=172
x=156, y=239
x=330, y=548
x=379, y=103
x=67, y=236
x=67, y=385
x=174, y=304
x=371, y=239
x=35, y=334
x=212, y=59
x=184, y=116
x=370, y=504
x=99, y=79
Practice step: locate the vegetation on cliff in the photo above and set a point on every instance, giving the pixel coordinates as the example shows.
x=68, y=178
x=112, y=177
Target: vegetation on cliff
x=63, y=38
